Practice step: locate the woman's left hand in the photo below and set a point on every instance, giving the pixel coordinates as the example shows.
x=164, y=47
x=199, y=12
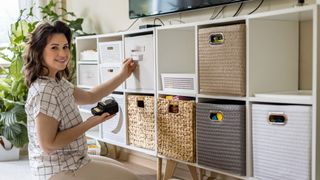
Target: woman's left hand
x=128, y=66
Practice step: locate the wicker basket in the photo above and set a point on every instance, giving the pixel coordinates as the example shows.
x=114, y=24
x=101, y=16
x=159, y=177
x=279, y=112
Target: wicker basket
x=176, y=129
x=141, y=125
x=222, y=62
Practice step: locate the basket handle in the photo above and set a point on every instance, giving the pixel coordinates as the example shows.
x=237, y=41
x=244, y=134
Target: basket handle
x=277, y=118
x=173, y=108
x=140, y=102
x=216, y=116
x=216, y=39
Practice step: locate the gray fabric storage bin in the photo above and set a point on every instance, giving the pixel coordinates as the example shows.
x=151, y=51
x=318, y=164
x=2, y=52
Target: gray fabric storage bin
x=281, y=151
x=221, y=144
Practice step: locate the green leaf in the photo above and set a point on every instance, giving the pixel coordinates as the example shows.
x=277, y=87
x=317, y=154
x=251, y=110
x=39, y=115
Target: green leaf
x=76, y=24
x=13, y=125
x=13, y=90
x=4, y=86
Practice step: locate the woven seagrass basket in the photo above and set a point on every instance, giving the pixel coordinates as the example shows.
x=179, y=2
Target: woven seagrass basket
x=141, y=123
x=176, y=129
x=222, y=60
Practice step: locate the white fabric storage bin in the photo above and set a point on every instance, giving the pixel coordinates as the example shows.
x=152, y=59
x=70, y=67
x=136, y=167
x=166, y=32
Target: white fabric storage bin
x=141, y=49
x=107, y=72
x=110, y=52
x=281, y=142
x=88, y=74
x=114, y=129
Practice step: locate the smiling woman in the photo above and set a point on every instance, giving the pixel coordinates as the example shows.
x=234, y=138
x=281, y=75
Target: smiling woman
x=57, y=143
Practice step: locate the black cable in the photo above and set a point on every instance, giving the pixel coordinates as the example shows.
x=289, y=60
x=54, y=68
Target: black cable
x=257, y=7
x=211, y=18
x=238, y=11
x=154, y=21
x=130, y=25
x=300, y=2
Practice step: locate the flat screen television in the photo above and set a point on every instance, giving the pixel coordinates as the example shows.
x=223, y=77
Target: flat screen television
x=144, y=8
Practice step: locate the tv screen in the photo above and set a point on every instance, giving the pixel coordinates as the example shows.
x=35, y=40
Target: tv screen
x=144, y=8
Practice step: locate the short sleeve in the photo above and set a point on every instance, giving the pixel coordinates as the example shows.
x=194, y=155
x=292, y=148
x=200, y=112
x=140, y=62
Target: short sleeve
x=47, y=103
x=69, y=86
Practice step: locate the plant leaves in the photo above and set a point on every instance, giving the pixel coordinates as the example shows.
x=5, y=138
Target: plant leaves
x=76, y=24
x=13, y=90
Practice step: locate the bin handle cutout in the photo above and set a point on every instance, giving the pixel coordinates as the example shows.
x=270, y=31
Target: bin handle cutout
x=173, y=108
x=216, y=116
x=216, y=39
x=140, y=103
x=109, y=70
x=277, y=118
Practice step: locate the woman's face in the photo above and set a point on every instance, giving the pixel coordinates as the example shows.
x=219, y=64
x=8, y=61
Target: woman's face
x=56, y=54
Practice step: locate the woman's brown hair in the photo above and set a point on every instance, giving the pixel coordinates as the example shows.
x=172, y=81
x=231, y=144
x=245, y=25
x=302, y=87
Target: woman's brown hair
x=33, y=57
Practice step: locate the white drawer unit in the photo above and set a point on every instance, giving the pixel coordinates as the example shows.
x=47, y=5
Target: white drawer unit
x=281, y=137
x=108, y=72
x=110, y=52
x=88, y=74
x=141, y=49
x=114, y=129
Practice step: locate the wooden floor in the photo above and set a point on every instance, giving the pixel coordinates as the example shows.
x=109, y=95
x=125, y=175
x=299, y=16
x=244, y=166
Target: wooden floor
x=143, y=173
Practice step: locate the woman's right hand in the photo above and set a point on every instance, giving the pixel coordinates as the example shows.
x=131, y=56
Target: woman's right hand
x=128, y=66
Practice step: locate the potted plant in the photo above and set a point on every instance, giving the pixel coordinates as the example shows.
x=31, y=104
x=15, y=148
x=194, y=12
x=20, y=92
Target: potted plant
x=13, y=91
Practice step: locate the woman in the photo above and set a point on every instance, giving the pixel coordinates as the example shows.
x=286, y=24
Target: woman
x=57, y=147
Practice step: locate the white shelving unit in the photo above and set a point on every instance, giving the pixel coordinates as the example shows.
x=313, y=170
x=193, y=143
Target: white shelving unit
x=282, y=54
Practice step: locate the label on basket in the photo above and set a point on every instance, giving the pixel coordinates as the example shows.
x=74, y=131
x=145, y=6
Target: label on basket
x=216, y=116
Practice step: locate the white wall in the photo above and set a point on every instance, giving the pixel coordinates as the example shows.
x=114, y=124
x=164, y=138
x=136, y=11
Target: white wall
x=106, y=16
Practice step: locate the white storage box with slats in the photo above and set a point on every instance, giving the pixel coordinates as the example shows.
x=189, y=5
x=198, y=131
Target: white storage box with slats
x=88, y=74
x=178, y=82
x=108, y=72
x=114, y=129
x=281, y=137
x=110, y=52
x=141, y=49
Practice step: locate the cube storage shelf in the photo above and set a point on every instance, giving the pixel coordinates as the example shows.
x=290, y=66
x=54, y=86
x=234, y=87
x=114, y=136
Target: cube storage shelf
x=279, y=67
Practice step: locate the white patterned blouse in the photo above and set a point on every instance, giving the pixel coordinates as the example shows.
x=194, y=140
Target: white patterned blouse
x=55, y=99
